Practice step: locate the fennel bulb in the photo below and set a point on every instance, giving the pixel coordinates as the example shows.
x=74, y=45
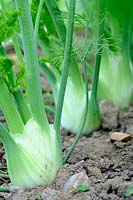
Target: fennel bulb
x=74, y=108
x=116, y=79
x=32, y=156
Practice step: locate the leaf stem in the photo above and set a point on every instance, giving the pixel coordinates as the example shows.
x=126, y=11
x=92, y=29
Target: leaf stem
x=65, y=70
x=17, y=50
x=86, y=106
x=77, y=137
x=99, y=53
x=38, y=18
x=32, y=65
x=9, y=109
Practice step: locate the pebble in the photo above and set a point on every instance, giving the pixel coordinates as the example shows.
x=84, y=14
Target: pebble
x=119, y=136
x=76, y=180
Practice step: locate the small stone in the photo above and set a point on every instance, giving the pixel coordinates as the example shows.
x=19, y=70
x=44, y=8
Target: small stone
x=119, y=136
x=76, y=180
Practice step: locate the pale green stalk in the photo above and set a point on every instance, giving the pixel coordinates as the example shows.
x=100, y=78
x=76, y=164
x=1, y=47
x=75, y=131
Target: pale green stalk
x=38, y=18
x=32, y=66
x=99, y=53
x=65, y=69
x=9, y=109
x=86, y=105
x=46, y=47
x=17, y=50
x=18, y=95
x=77, y=137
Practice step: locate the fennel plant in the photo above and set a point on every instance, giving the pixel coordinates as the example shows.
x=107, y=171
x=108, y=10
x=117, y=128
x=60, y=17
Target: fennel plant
x=33, y=146
x=80, y=113
x=72, y=116
x=116, y=72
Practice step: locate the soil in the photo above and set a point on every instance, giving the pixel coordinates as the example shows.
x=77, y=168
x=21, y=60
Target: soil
x=107, y=165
